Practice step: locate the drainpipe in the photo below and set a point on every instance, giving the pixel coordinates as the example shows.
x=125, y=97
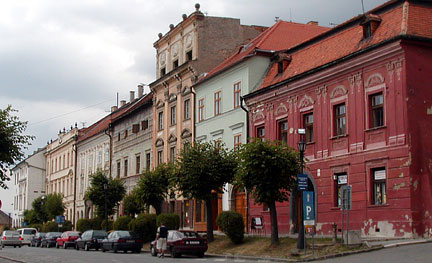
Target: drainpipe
x=192, y=141
x=247, y=139
x=108, y=133
x=74, y=148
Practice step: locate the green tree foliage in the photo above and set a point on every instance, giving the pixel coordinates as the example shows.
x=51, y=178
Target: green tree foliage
x=37, y=206
x=153, y=186
x=203, y=169
x=53, y=206
x=170, y=220
x=132, y=205
x=96, y=193
x=30, y=217
x=268, y=171
x=12, y=142
x=231, y=223
x=122, y=223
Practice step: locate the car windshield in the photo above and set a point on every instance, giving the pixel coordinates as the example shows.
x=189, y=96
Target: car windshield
x=124, y=233
x=99, y=233
x=73, y=234
x=11, y=233
x=187, y=234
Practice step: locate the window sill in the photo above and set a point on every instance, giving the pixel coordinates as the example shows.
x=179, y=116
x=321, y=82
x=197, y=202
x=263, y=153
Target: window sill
x=375, y=128
x=186, y=119
x=338, y=137
x=335, y=208
x=310, y=143
x=378, y=206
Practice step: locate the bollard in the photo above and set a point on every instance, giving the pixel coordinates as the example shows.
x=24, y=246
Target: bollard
x=334, y=227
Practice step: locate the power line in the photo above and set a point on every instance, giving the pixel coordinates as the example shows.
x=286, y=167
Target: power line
x=68, y=113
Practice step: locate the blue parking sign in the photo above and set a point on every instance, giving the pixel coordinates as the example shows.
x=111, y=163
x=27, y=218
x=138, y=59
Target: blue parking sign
x=308, y=208
x=60, y=219
x=302, y=182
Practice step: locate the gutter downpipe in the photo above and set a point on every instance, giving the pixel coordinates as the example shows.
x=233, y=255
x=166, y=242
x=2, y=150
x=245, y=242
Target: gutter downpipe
x=110, y=147
x=75, y=146
x=247, y=139
x=192, y=141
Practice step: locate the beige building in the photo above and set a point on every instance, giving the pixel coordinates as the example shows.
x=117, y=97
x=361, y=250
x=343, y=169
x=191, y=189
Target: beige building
x=60, y=169
x=188, y=50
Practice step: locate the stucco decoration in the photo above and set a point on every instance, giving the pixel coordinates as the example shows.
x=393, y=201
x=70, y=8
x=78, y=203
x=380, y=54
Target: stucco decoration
x=186, y=90
x=281, y=109
x=338, y=91
x=172, y=138
x=188, y=40
x=269, y=109
x=186, y=133
x=160, y=104
x=321, y=91
x=292, y=102
x=374, y=80
x=258, y=115
x=162, y=58
x=172, y=97
x=355, y=79
x=175, y=50
x=306, y=101
x=159, y=142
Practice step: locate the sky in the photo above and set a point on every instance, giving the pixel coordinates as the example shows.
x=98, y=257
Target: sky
x=63, y=62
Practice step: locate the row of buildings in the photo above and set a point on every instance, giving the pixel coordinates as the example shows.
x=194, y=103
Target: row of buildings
x=361, y=90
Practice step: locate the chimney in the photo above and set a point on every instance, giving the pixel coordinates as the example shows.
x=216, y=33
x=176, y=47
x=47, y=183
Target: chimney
x=114, y=108
x=315, y=23
x=122, y=103
x=131, y=96
x=140, y=90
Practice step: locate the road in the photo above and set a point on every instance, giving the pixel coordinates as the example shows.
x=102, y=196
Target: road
x=405, y=254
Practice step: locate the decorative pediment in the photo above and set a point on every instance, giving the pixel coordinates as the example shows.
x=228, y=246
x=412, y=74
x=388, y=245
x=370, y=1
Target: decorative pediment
x=374, y=80
x=338, y=91
x=186, y=133
x=259, y=115
x=172, y=138
x=186, y=90
x=281, y=109
x=159, y=142
x=305, y=102
x=172, y=97
x=160, y=104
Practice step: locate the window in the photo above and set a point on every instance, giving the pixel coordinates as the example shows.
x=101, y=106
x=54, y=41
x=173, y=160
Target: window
x=173, y=115
x=280, y=67
x=175, y=64
x=159, y=157
x=237, y=141
x=125, y=167
x=260, y=133
x=237, y=91
x=379, y=186
x=376, y=110
x=308, y=125
x=217, y=103
x=118, y=136
x=106, y=157
x=189, y=55
x=148, y=161
x=340, y=120
x=118, y=169
x=201, y=110
x=137, y=164
x=283, y=131
x=135, y=128
x=160, y=120
x=162, y=72
x=186, y=109
x=367, y=30
x=144, y=125
x=60, y=163
x=68, y=158
x=341, y=180
x=172, y=154
x=99, y=158
x=125, y=134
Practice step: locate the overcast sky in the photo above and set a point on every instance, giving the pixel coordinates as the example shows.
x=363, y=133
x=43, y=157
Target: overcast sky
x=63, y=61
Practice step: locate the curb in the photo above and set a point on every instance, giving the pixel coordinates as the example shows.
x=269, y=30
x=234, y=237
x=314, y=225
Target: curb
x=408, y=243
x=11, y=259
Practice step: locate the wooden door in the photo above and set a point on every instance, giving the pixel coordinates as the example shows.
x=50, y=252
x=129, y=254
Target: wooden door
x=240, y=204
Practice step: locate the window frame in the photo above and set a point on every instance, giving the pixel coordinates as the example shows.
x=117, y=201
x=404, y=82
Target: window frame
x=172, y=153
x=201, y=106
x=337, y=190
x=381, y=182
x=186, y=109
x=173, y=115
x=160, y=121
x=125, y=167
x=237, y=94
x=217, y=103
x=159, y=156
x=308, y=126
x=237, y=141
x=258, y=129
x=373, y=108
x=137, y=164
x=280, y=131
x=337, y=117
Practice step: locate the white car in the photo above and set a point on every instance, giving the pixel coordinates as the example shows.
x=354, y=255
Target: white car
x=27, y=235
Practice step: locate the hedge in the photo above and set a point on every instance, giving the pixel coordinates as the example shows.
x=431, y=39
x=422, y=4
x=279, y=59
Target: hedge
x=231, y=223
x=144, y=226
x=110, y=225
x=171, y=221
x=122, y=223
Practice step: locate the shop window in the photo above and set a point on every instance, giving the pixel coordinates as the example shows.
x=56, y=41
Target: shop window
x=339, y=119
x=237, y=92
x=308, y=125
x=340, y=181
x=379, y=186
x=376, y=105
x=283, y=131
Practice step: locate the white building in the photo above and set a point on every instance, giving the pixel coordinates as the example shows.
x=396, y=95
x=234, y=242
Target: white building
x=29, y=182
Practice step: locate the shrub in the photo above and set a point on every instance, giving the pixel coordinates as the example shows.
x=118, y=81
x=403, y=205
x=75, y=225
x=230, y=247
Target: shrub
x=50, y=227
x=171, y=221
x=231, y=223
x=110, y=225
x=37, y=226
x=84, y=224
x=144, y=226
x=122, y=223
x=66, y=226
x=96, y=223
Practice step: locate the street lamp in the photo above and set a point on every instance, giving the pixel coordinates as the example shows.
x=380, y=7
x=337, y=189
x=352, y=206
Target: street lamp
x=301, y=147
x=105, y=187
x=42, y=208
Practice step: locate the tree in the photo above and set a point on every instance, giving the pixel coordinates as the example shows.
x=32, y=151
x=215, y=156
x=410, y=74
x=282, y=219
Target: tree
x=53, y=206
x=37, y=206
x=114, y=193
x=12, y=142
x=132, y=204
x=153, y=186
x=268, y=171
x=203, y=170
x=30, y=217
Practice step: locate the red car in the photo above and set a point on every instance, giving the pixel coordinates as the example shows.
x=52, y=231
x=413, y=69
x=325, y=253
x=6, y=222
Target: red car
x=67, y=239
x=183, y=242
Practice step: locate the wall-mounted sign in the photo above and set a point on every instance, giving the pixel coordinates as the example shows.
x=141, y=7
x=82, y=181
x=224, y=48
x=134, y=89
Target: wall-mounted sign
x=342, y=179
x=380, y=175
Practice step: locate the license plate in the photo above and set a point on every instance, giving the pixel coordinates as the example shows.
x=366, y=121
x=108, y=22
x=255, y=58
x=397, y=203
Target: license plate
x=131, y=241
x=194, y=242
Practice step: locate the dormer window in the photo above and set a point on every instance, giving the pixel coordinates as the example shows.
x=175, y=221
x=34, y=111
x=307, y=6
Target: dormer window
x=282, y=60
x=370, y=24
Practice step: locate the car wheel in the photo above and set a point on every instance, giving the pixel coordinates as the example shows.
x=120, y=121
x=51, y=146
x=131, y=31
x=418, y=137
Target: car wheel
x=64, y=246
x=97, y=249
x=174, y=254
x=114, y=249
x=14, y=246
x=29, y=245
x=19, y=246
x=153, y=251
x=86, y=247
x=76, y=246
x=200, y=254
x=138, y=251
x=124, y=251
x=103, y=249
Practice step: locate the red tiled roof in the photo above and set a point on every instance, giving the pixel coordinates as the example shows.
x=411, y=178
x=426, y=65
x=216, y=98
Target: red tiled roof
x=341, y=42
x=282, y=35
x=103, y=123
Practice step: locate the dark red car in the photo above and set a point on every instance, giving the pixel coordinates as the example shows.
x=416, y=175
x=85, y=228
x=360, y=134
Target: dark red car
x=67, y=239
x=183, y=242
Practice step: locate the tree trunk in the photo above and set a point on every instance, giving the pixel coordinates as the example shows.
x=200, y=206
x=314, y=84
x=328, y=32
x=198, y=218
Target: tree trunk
x=273, y=223
x=210, y=236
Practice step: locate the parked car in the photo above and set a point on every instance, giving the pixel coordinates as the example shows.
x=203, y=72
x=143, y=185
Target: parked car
x=183, y=242
x=10, y=238
x=36, y=240
x=122, y=240
x=27, y=235
x=67, y=239
x=91, y=239
x=50, y=239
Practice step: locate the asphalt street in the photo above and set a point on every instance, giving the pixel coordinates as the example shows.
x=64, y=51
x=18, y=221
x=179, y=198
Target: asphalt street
x=403, y=254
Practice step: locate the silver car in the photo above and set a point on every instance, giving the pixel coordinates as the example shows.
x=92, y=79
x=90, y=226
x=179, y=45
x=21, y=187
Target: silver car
x=10, y=238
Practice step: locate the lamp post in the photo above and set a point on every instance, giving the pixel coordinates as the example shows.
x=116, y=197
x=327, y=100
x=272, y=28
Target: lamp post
x=42, y=208
x=301, y=147
x=105, y=187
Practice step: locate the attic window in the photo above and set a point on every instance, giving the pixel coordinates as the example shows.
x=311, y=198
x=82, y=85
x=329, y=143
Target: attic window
x=283, y=60
x=280, y=67
x=370, y=24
